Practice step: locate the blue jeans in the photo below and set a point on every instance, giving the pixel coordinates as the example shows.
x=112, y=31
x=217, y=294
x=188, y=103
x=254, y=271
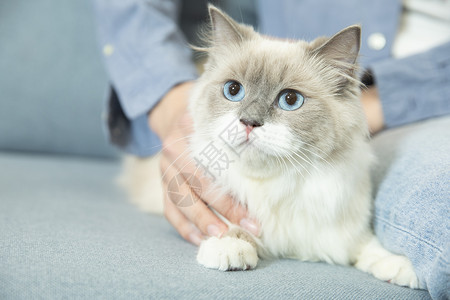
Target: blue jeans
x=412, y=199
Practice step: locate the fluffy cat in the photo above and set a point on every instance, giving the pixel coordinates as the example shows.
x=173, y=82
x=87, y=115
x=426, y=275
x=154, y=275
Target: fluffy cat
x=286, y=119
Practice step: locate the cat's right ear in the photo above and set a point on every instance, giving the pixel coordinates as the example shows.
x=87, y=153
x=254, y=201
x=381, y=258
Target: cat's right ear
x=224, y=29
x=343, y=47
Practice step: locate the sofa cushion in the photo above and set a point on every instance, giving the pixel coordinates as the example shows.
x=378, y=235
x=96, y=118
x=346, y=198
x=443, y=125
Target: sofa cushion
x=53, y=86
x=67, y=232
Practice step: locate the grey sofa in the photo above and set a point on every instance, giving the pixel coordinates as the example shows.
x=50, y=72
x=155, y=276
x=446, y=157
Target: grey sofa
x=66, y=230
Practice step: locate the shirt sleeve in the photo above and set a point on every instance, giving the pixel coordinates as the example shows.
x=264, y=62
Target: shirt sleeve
x=145, y=55
x=414, y=88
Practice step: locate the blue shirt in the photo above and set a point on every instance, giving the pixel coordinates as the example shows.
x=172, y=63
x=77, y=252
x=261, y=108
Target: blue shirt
x=146, y=53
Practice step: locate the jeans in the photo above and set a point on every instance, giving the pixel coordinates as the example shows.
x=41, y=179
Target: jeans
x=412, y=199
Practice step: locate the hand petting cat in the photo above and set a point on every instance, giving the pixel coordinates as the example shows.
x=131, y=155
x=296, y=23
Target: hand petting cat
x=171, y=121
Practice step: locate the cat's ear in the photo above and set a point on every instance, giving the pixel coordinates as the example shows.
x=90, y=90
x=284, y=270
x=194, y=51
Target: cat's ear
x=224, y=29
x=343, y=47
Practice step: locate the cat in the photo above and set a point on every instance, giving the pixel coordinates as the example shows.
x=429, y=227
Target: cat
x=286, y=118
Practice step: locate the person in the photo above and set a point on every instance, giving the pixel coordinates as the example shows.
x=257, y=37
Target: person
x=405, y=51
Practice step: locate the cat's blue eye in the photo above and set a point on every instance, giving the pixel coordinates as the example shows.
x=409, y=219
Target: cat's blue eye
x=233, y=91
x=290, y=100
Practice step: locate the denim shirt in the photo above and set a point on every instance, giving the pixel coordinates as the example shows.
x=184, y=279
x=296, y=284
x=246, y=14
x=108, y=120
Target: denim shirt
x=146, y=54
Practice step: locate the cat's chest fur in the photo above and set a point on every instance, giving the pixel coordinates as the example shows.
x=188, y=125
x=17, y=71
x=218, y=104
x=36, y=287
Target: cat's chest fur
x=318, y=215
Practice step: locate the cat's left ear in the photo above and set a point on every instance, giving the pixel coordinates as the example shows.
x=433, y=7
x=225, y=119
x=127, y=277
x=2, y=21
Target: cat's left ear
x=343, y=47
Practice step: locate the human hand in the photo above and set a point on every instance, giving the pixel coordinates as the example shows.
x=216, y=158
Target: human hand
x=171, y=121
x=373, y=109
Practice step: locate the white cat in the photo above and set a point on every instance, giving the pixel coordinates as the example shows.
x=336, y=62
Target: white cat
x=286, y=119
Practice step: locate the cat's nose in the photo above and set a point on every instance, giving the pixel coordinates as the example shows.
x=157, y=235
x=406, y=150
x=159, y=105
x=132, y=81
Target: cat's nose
x=251, y=123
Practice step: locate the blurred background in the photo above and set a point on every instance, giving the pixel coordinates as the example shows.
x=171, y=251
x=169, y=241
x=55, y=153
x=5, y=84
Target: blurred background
x=52, y=82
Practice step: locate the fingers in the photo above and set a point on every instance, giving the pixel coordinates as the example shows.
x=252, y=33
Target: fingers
x=179, y=191
x=185, y=192
x=236, y=214
x=184, y=227
x=185, y=189
x=223, y=204
x=176, y=156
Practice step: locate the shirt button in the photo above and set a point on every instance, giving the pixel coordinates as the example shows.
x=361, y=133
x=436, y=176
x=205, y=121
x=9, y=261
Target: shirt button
x=376, y=41
x=108, y=50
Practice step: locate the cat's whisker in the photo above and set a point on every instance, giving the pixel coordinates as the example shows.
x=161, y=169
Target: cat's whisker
x=313, y=146
x=314, y=153
x=288, y=150
x=301, y=164
x=302, y=157
x=298, y=171
x=279, y=162
x=282, y=162
x=289, y=157
x=320, y=157
x=308, y=162
x=285, y=164
x=306, y=156
x=270, y=143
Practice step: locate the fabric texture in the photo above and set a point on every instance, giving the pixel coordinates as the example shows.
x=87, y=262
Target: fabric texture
x=428, y=73
x=412, y=203
x=53, y=86
x=67, y=232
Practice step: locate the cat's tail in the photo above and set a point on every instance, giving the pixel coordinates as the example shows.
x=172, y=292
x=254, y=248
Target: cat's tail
x=141, y=179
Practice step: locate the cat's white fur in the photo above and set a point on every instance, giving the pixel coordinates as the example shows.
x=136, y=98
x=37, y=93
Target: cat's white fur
x=312, y=207
x=141, y=178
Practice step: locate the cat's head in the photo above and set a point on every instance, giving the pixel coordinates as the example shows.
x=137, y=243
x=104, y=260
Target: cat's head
x=265, y=101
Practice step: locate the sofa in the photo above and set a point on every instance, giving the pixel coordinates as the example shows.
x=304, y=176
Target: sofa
x=66, y=230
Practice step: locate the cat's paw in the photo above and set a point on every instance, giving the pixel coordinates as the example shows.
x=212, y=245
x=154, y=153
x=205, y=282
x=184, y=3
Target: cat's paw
x=392, y=268
x=227, y=253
